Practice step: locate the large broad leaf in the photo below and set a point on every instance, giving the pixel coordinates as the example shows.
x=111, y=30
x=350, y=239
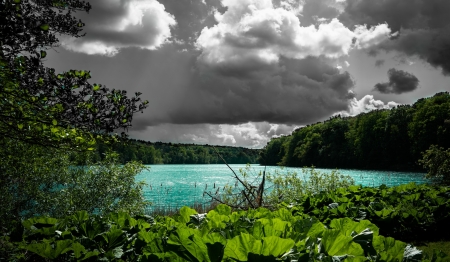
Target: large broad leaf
x=309, y=227
x=185, y=215
x=215, y=244
x=223, y=209
x=270, y=227
x=150, y=240
x=217, y=220
x=238, y=247
x=123, y=220
x=348, y=226
x=337, y=243
x=276, y=246
x=388, y=248
x=46, y=249
x=114, y=238
x=187, y=243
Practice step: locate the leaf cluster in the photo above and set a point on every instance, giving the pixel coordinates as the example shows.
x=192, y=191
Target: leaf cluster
x=219, y=235
x=408, y=212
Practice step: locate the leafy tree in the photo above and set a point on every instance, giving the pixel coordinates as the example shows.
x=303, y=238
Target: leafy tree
x=39, y=106
x=381, y=139
x=436, y=160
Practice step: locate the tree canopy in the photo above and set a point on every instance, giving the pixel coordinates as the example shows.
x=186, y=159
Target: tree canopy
x=381, y=139
x=41, y=106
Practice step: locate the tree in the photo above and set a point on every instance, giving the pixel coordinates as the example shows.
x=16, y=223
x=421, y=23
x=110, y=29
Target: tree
x=39, y=106
x=437, y=162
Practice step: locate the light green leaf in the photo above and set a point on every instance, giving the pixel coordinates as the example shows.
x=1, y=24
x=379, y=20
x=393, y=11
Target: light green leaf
x=54, y=122
x=44, y=27
x=336, y=243
x=276, y=246
x=185, y=213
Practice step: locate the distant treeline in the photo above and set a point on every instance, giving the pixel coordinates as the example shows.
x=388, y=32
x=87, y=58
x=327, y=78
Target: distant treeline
x=381, y=139
x=170, y=153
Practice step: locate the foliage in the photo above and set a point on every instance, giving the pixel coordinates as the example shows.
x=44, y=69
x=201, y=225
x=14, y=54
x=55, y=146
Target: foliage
x=269, y=190
x=407, y=212
x=437, y=161
x=36, y=180
x=289, y=187
x=381, y=139
x=219, y=235
x=39, y=106
x=170, y=153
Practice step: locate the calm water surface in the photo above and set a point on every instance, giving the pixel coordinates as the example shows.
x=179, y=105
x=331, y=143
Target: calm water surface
x=179, y=185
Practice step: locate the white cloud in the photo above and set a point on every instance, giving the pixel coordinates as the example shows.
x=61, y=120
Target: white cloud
x=251, y=134
x=119, y=24
x=256, y=30
x=364, y=105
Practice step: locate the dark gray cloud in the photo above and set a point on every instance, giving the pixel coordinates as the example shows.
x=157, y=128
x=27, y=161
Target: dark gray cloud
x=424, y=26
x=192, y=17
x=379, y=62
x=315, y=10
x=399, y=82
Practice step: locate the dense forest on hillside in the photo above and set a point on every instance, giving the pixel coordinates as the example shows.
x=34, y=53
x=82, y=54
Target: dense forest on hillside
x=171, y=153
x=381, y=139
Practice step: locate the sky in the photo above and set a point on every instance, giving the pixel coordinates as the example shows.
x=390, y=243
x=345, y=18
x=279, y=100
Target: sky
x=239, y=72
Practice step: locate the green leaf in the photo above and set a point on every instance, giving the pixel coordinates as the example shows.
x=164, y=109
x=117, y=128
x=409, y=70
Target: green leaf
x=238, y=247
x=115, y=238
x=20, y=126
x=46, y=249
x=276, y=246
x=336, y=243
x=188, y=244
x=185, y=213
x=43, y=54
x=17, y=1
x=54, y=122
x=44, y=27
x=96, y=87
x=388, y=248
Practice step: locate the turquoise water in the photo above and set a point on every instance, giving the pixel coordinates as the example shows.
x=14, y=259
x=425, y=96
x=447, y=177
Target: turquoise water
x=179, y=185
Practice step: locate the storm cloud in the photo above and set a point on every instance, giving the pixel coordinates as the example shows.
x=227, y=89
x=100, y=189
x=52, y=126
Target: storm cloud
x=423, y=26
x=238, y=72
x=399, y=82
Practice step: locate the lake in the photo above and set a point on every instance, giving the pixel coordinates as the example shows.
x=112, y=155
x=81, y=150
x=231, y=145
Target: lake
x=179, y=185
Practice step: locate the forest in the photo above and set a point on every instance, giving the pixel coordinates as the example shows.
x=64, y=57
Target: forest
x=380, y=139
x=171, y=153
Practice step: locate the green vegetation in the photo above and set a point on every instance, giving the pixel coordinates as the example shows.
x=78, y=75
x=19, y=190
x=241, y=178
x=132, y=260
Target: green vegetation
x=56, y=159
x=219, y=235
x=437, y=161
x=171, y=153
x=381, y=139
x=49, y=122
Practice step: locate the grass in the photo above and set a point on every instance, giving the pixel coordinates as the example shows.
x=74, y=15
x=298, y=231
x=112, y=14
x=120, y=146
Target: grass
x=428, y=248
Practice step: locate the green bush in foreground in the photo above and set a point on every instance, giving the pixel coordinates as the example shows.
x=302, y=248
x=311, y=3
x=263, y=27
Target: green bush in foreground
x=219, y=235
x=36, y=180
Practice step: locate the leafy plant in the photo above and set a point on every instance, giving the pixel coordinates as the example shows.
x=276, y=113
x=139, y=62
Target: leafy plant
x=220, y=235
